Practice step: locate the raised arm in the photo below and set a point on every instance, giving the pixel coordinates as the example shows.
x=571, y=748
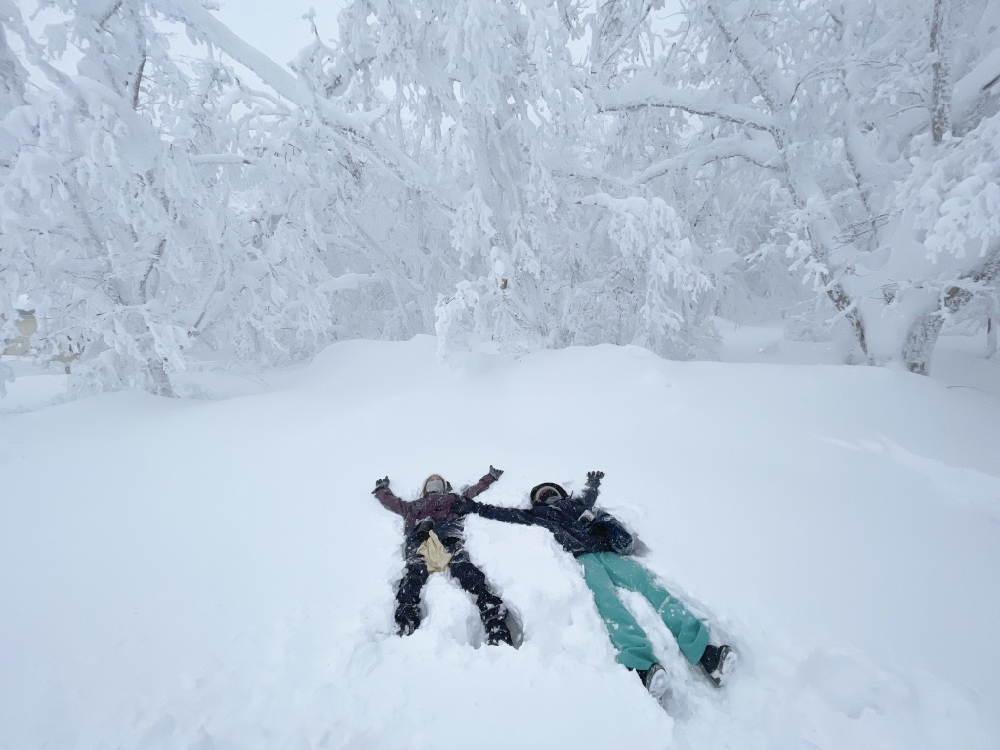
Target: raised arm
x=589, y=496
x=385, y=496
x=479, y=487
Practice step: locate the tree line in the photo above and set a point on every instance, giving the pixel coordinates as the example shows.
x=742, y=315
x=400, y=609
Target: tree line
x=518, y=175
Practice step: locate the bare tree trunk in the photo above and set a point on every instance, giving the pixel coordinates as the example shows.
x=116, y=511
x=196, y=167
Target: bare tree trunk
x=842, y=301
x=137, y=82
x=159, y=378
x=918, y=346
x=940, y=90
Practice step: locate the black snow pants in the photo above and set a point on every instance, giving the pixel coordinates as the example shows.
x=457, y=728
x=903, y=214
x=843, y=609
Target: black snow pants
x=492, y=610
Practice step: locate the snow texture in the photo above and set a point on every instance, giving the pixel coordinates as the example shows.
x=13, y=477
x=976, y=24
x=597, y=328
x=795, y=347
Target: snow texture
x=213, y=573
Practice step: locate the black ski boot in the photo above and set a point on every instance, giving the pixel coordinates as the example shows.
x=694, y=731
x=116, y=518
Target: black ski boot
x=498, y=632
x=407, y=620
x=717, y=661
x=655, y=680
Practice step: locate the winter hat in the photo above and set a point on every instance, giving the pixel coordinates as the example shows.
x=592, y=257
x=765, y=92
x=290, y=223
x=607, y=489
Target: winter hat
x=436, y=483
x=545, y=492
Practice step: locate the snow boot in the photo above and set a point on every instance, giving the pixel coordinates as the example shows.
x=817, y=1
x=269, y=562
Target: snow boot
x=514, y=626
x=496, y=628
x=498, y=632
x=407, y=620
x=655, y=680
x=718, y=662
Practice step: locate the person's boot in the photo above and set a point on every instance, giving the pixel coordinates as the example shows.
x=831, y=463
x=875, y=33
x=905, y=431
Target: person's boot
x=407, y=621
x=494, y=613
x=498, y=632
x=655, y=680
x=514, y=627
x=718, y=662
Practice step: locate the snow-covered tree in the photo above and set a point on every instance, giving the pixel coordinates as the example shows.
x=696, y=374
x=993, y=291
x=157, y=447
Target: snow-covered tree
x=520, y=175
x=102, y=203
x=827, y=104
x=494, y=102
x=155, y=212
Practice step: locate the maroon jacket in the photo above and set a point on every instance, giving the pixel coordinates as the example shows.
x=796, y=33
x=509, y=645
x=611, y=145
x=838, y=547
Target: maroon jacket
x=445, y=511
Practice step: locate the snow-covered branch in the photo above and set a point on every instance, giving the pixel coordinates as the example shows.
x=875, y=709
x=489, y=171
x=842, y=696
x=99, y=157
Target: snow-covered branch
x=204, y=25
x=646, y=91
x=219, y=159
x=975, y=86
x=354, y=127
x=758, y=153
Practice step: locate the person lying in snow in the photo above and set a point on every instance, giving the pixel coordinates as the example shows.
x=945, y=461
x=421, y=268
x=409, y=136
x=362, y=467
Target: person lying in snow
x=434, y=525
x=602, y=545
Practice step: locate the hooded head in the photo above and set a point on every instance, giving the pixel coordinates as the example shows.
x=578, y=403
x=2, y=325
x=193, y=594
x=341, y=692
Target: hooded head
x=435, y=484
x=547, y=492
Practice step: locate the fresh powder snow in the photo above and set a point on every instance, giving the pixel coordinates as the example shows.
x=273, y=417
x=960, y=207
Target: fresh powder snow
x=212, y=573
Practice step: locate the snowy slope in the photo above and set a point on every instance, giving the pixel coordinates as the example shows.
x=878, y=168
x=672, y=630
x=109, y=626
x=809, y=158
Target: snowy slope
x=213, y=574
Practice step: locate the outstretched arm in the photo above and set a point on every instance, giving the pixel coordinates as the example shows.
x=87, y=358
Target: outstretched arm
x=593, y=488
x=496, y=513
x=385, y=496
x=479, y=487
x=618, y=537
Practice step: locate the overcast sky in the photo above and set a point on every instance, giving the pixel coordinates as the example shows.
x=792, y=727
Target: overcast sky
x=275, y=27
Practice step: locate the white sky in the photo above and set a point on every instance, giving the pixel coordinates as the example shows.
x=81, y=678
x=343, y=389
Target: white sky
x=275, y=27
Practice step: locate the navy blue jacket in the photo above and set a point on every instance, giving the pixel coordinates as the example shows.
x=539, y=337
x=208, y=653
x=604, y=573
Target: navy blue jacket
x=572, y=521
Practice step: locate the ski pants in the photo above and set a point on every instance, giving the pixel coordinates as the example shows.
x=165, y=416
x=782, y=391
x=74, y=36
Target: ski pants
x=492, y=610
x=606, y=571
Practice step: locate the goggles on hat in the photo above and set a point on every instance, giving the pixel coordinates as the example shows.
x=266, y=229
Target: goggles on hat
x=546, y=494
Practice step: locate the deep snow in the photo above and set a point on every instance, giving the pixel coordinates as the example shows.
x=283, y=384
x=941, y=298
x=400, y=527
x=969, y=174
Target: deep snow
x=213, y=574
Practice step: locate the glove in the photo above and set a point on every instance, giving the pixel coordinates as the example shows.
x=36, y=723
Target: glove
x=381, y=484
x=423, y=529
x=494, y=472
x=594, y=477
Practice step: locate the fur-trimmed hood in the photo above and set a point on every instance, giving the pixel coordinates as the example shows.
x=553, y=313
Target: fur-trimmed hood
x=435, y=478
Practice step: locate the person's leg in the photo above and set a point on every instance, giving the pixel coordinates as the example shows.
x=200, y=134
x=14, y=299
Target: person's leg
x=408, y=596
x=492, y=610
x=690, y=632
x=634, y=648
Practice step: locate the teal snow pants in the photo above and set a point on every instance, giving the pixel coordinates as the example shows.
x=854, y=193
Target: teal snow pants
x=603, y=572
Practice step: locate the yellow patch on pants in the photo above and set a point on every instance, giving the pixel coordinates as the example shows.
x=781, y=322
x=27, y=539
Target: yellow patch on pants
x=434, y=554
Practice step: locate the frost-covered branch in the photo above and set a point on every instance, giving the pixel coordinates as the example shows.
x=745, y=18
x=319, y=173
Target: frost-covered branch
x=972, y=88
x=758, y=153
x=645, y=91
x=204, y=25
x=354, y=128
